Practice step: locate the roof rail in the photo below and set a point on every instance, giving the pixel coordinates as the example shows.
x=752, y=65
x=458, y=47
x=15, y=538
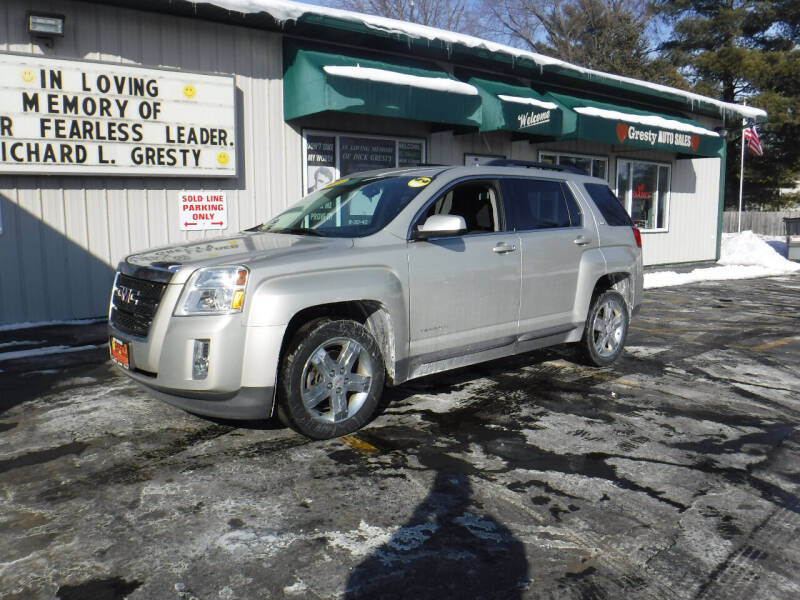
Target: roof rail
x=530, y=164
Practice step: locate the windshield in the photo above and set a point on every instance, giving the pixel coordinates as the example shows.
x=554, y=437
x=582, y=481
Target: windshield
x=353, y=207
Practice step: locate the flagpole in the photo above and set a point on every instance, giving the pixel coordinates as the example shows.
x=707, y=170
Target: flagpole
x=741, y=178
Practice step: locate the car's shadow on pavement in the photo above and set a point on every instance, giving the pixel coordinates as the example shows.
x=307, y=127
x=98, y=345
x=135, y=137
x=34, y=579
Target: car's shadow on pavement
x=448, y=545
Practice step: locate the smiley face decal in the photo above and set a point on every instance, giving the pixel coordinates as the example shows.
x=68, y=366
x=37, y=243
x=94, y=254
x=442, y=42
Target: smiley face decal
x=27, y=76
x=189, y=91
x=419, y=182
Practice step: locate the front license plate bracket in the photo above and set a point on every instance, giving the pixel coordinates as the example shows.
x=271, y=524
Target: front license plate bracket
x=120, y=352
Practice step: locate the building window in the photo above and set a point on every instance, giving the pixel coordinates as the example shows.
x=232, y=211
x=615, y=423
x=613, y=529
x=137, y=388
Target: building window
x=328, y=156
x=644, y=189
x=596, y=166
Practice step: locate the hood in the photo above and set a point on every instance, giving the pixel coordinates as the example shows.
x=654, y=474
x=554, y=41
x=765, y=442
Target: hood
x=175, y=263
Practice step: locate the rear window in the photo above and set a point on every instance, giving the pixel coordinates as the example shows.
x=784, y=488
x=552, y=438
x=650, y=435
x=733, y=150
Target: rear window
x=608, y=204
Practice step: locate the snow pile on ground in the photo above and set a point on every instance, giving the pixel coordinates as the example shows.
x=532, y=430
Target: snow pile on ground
x=743, y=256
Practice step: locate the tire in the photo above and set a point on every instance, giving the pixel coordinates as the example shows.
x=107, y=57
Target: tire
x=606, y=330
x=331, y=379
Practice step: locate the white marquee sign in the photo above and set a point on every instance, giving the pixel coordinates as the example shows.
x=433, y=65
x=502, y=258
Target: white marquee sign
x=86, y=118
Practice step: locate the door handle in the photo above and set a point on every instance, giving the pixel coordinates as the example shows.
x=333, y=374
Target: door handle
x=582, y=240
x=503, y=248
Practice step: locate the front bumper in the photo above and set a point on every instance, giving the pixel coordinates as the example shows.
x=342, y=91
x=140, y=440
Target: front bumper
x=242, y=365
x=244, y=404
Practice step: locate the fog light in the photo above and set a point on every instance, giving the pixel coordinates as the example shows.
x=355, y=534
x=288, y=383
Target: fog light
x=200, y=359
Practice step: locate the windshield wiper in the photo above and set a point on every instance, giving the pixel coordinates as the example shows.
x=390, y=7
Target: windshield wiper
x=301, y=231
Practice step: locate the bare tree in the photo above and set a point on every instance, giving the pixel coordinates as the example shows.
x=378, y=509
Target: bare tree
x=607, y=35
x=452, y=15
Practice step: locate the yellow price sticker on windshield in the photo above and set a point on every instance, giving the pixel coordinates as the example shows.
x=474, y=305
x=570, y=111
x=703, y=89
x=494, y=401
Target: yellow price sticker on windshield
x=419, y=182
x=337, y=182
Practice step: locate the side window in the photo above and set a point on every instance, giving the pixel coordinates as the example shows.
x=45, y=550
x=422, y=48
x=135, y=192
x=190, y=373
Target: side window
x=476, y=201
x=540, y=204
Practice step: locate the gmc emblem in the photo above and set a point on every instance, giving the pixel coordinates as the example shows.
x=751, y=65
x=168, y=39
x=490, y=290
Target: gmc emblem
x=127, y=295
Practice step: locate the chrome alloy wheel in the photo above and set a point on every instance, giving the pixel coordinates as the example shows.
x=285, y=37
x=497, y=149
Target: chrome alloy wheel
x=336, y=380
x=608, y=328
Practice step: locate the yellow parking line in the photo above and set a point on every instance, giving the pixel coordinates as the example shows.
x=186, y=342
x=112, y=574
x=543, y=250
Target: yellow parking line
x=769, y=345
x=591, y=373
x=358, y=444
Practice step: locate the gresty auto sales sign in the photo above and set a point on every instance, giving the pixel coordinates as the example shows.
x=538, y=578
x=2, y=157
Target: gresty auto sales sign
x=71, y=117
x=661, y=138
x=648, y=131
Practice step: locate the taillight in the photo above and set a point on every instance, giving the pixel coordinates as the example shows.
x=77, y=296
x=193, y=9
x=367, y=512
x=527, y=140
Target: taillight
x=637, y=235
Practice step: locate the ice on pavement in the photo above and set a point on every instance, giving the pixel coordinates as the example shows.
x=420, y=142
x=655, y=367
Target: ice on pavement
x=743, y=255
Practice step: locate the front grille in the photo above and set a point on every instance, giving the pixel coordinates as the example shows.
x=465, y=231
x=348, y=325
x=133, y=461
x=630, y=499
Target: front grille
x=134, y=303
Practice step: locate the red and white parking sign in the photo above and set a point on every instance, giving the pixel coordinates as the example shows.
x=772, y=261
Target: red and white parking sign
x=203, y=210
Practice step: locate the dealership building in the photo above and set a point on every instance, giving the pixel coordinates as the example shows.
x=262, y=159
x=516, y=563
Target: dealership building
x=128, y=124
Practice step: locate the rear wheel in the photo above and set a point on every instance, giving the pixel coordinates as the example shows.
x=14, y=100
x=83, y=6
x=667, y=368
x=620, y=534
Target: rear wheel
x=606, y=330
x=331, y=379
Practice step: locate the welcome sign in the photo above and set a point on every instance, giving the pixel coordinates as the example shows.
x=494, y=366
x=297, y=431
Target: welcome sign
x=530, y=115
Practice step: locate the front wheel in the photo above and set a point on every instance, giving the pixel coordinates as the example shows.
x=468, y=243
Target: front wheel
x=331, y=379
x=606, y=329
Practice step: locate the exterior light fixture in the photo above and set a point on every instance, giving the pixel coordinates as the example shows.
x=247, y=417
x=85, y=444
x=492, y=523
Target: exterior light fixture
x=45, y=25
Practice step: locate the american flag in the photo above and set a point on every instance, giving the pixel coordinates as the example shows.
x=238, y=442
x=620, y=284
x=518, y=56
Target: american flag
x=753, y=142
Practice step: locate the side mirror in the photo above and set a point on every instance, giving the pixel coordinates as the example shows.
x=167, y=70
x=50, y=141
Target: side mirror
x=440, y=226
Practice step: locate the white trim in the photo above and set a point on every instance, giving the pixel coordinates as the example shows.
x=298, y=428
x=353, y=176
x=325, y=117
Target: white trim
x=438, y=84
x=560, y=153
x=629, y=201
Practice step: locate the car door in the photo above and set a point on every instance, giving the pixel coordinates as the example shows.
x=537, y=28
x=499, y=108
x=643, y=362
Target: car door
x=554, y=235
x=464, y=289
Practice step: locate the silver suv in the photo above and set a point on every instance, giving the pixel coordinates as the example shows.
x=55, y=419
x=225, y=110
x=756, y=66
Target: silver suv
x=374, y=280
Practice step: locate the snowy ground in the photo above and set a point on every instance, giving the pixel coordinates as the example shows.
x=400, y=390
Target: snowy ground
x=744, y=255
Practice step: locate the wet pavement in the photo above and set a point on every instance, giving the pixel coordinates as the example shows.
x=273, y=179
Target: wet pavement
x=673, y=474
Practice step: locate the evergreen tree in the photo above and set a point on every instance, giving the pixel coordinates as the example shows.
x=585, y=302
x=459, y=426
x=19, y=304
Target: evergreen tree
x=745, y=50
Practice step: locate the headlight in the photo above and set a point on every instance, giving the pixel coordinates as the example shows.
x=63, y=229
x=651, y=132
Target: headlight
x=214, y=291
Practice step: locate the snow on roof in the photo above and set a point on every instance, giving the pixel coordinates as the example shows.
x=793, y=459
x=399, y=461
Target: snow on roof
x=531, y=101
x=651, y=120
x=440, y=84
x=284, y=10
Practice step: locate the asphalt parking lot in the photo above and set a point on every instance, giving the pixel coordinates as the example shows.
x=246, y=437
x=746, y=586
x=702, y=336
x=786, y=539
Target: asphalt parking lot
x=674, y=474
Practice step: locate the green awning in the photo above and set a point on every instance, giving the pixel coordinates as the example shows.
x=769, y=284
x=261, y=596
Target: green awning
x=517, y=108
x=315, y=81
x=624, y=126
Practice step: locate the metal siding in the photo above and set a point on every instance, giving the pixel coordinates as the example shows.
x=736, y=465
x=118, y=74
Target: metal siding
x=449, y=149
x=76, y=235
x=12, y=300
x=63, y=235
